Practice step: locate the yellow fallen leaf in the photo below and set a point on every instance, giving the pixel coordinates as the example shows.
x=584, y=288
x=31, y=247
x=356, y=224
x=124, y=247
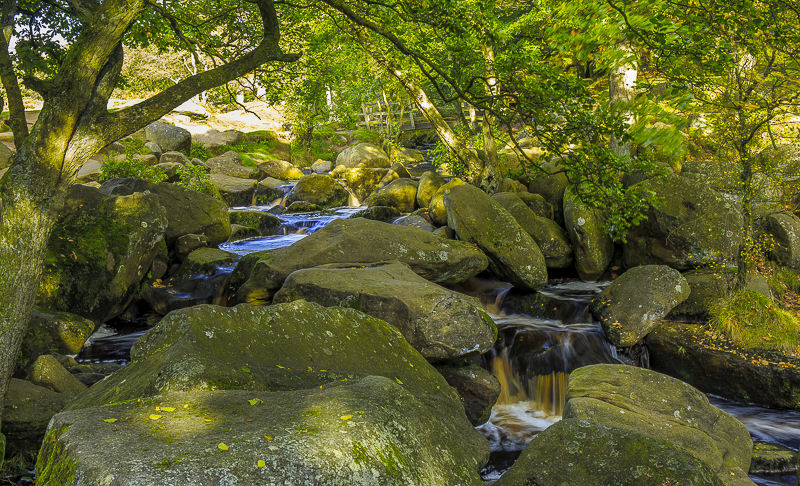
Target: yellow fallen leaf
x=110, y=420
x=155, y=417
x=222, y=446
x=256, y=401
x=346, y=417
x=268, y=437
x=398, y=380
x=206, y=420
x=168, y=409
x=261, y=463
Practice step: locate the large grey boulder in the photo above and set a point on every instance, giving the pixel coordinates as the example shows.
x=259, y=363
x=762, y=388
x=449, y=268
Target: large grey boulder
x=429, y=182
x=439, y=323
x=214, y=138
x=661, y=406
x=235, y=191
x=400, y=194
x=99, y=251
x=258, y=275
x=436, y=209
x=320, y=189
x=366, y=432
x=592, y=246
x=577, y=452
x=53, y=332
x=550, y=237
x=784, y=228
x=690, y=225
x=363, y=155
x=230, y=164
x=279, y=169
x=265, y=223
x=551, y=182
x=513, y=254
x=169, y=137
x=706, y=288
x=635, y=302
x=362, y=180
x=27, y=409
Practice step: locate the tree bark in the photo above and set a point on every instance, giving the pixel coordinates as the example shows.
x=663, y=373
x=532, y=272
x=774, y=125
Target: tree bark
x=621, y=84
x=16, y=108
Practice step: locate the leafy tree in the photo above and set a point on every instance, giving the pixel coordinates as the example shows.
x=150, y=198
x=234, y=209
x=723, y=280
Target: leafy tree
x=75, y=77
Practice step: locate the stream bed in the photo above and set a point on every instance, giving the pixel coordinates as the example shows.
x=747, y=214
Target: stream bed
x=543, y=336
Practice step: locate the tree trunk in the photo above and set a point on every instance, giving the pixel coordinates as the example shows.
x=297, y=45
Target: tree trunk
x=32, y=192
x=16, y=108
x=621, y=84
x=746, y=245
x=490, y=179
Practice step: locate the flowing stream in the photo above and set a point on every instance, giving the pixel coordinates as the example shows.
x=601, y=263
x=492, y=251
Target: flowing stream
x=543, y=336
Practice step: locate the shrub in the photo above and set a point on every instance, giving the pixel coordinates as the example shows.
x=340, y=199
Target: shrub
x=752, y=320
x=199, y=152
x=130, y=167
x=195, y=177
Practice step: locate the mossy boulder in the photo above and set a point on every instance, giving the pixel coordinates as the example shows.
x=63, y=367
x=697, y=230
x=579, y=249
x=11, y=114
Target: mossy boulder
x=258, y=275
x=291, y=346
x=550, y=237
x=362, y=180
x=477, y=387
x=204, y=261
x=26, y=411
x=439, y=323
x=301, y=207
x=429, y=182
x=772, y=459
x=188, y=211
x=377, y=213
x=169, y=137
x=578, y=452
x=636, y=302
x=371, y=431
x=266, y=223
x=363, y=155
x=414, y=221
x=47, y=371
x=269, y=189
x=710, y=362
x=436, y=207
x=706, y=288
x=689, y=225
x=660, y=406
x=400, y=194
x=278, y=169
x=539, y=205
x=99, y=251
x=513, y=254
x=53, y=332
x=320, y=189
x=407, y=155
x=235, y=191
x=784, y=228
x=551, y=182
x=592, y=246
x=230, y=164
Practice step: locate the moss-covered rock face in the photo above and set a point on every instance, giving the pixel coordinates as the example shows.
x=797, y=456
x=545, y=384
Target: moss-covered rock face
x=634, y=303
x=264, y=222
x=269, y=189
x=592, y=246
x=785, y=231
x=661, y=406
x=772, y=459
x=279, y=169
x=288, y=346
x=363, y=155
x=689, y=225
x=320, y=189
x=204, y=261
x=576, y=452
x=368, y=432
x=439, y=323
x=551, y=184
x=362, y=180
x=513, y=254
x=26, y=410
x=48, y=372
x=100, y=250
x=539, y=205
x=696, y=355
x=53, y=332
x=436, y=207
x=550, y=237
x=235, y=191
x=258, y=275
x=400, y=193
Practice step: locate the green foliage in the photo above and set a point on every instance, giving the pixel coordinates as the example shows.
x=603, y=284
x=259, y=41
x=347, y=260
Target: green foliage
x=198, y=151
x=133, y=167
x=752, y=320
x=367, y=135
x=195, y=177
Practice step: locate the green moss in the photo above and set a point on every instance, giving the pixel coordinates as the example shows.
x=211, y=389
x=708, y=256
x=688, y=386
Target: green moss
x=54, y=466
x=752, y=320
x=390, y=456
